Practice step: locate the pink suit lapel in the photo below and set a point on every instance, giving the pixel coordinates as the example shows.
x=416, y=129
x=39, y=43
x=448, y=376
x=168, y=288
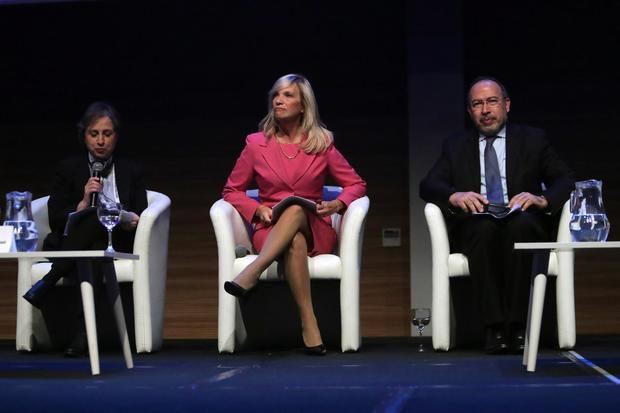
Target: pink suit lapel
x=276, y=161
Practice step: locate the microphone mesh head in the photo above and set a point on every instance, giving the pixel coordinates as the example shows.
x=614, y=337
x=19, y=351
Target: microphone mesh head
x=97, y=166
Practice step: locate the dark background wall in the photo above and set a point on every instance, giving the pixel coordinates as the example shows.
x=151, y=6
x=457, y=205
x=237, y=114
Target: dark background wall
x=190, y=80
x=559, y=66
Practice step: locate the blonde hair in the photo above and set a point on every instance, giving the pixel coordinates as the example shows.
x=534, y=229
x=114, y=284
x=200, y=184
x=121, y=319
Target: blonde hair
x=319, y=138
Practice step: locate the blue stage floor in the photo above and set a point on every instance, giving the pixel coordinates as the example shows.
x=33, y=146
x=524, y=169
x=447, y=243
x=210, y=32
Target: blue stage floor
x=388, y=375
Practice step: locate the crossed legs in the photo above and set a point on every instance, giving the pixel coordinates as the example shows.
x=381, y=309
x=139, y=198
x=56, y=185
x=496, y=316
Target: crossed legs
x=88, y=235
x=288, y=239
x=298, y=276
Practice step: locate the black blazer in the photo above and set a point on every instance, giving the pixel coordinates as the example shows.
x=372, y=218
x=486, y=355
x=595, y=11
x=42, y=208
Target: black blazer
x=68, y=191
x=530, y=162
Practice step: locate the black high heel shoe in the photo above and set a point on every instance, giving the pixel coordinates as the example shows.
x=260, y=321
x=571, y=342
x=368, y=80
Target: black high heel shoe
x=235, y=289
x=319, y=350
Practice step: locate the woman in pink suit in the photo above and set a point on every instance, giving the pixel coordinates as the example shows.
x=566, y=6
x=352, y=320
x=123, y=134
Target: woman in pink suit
x=291, y=155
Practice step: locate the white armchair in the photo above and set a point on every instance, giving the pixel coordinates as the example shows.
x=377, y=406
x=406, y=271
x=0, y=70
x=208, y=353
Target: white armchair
x=446, y=265
x=232, y=231
x=148, y=275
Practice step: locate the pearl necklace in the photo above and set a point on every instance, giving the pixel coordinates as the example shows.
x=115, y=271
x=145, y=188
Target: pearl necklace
x=287, y=156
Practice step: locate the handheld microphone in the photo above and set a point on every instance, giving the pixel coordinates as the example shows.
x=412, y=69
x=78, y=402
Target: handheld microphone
x=96, y=169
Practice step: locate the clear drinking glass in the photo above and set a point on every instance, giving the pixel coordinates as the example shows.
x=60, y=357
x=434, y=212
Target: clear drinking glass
x=420, y=318
x=109, y=214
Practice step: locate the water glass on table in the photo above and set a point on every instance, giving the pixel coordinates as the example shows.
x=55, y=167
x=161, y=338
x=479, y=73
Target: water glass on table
x=420, y=318
x=109, y=214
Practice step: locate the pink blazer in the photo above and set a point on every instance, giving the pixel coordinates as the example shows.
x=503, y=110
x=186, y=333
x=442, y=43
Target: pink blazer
x=262, y=161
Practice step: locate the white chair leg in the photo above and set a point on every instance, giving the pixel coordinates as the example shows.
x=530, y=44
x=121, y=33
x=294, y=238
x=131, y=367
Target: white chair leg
x=535, y=319
x=441, y=312
x=349, y=315
x=565, y=300
x=25, y=312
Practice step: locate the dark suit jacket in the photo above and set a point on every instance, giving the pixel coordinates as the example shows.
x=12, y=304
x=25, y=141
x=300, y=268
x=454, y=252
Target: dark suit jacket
x=530, y=162
x=68, y=190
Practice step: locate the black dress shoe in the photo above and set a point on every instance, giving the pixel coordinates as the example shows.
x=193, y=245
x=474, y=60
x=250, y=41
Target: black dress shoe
x=78, y=346
x=36, y=294
x=319, y=350
x=235, y=289
x=517, y=343
x=496, y=341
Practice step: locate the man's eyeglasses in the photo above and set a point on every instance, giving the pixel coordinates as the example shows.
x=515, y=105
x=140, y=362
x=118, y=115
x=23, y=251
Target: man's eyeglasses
x=491, y=102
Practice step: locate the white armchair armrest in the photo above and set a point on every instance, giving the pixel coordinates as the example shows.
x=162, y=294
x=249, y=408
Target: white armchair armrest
x=150, y=272
x=350, y=252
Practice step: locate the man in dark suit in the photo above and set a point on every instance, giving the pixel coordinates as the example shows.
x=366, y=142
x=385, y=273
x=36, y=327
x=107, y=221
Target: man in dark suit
x=509, y=165
x=74, y=188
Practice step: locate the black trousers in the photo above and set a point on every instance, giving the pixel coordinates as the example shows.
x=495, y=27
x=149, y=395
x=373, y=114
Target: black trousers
x=500, y=275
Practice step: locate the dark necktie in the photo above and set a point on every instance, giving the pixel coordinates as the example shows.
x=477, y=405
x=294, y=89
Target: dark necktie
x=495, y=193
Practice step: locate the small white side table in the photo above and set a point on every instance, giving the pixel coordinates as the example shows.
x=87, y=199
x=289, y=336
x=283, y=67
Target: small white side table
x=537, y=294
x=84, y=264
